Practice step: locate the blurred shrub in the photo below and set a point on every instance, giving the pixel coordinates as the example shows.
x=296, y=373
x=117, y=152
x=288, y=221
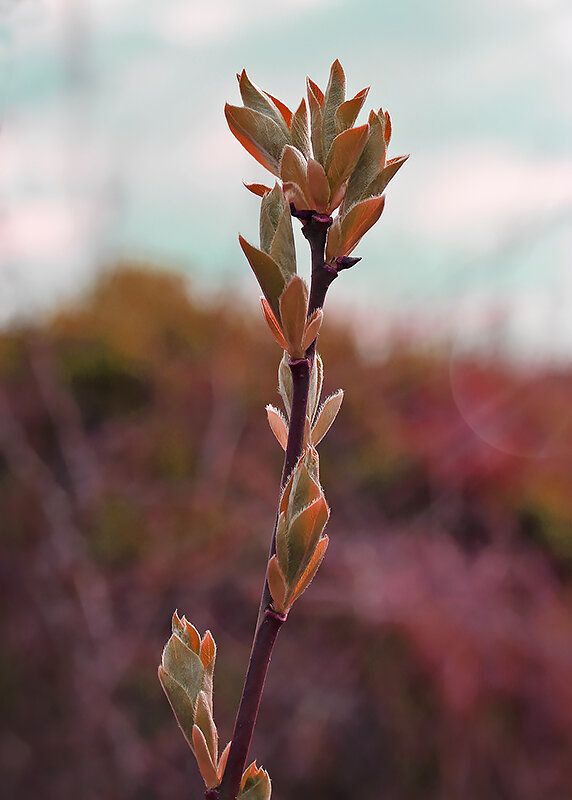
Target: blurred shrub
x=137, y=476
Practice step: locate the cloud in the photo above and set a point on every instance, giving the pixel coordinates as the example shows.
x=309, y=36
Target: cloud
x=474, y=193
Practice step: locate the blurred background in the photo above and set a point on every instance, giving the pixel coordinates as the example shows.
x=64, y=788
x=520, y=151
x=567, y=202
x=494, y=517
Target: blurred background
x=432, y=658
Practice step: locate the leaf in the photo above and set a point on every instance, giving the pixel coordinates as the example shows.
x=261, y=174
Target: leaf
x=271, y=209
x=358, y=220
x=334, y=240
x=283, y=249
x=326, y=416
x=222, y=762
x=318, y=186
x=299, y=131
x=312, y=328
x=316, y=380
x=285, y=384
x=282, y=108
x=184, y=665
x=344, y=154
x=260, y=101
x=181, y=704
x=278, y=425
x=293, y=169
x=272, y=323
x=379, y=184
x=348, y=111
x=304, y=490
x=296, y=196
x=188, y=634
x=282, y=543
x=293, y=311
x=258, y=189
x=310, y=571
x=304, y=532
x=277, y=585
x=258, y=134
x=208, y=649
x=316, y=91
x=369, y=163
x=267, y=273
x=316, y=127
x=204, y=759
x=387, y=127
x=255, y=784
x=204, y=720
x=334, y=96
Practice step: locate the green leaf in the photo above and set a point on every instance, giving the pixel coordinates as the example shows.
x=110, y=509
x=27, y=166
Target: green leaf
x=271, y=208
x=256, y=99
x=180, y=702
x=285, y=384
x=310, y=571
x=267, y=272
x=303, y=534
x=204, y=719
x=258, y=134
x=316, y=380
x=334, y=96
x=326, y=416
x=344, y=154
x=283, y=249
x=255, y=784
x=299, y=132
x=184, y=665
x=369, y=163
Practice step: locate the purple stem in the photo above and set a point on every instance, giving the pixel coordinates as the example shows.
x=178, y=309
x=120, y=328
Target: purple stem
x=315, y=229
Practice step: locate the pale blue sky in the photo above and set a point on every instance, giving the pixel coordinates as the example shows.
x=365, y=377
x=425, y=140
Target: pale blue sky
x=114, y=144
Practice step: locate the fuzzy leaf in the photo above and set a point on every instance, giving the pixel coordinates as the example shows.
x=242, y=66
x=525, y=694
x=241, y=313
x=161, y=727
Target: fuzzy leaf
x=268, y=274
x=370, y=162
x=304, y=490
x=303, y=534
x=358, y=220
x=204, y=720
x=310, y=571
x=312, y=328
x=204, y=759
x=379, y=184
x=283, y=249
x=285, y=384
x=326, y=416
x=277, y=585
x=184, y=665
x=334, y=240
x=187, y=632
x=256, y=99
x=348, y=111
x=282, y=543
x=259, y=189
x=334, y=96
x=255, y=784
x=316, y=380
x=272, y=323
x=278, y=425
x=181, y=704
x=344, y=154
x=387, y=127
x=271, y=209
x=316, y=126
x=282, y=108
x=318, y=186
x=208, y=649
x=222, y=762
x=299, y=131
x=296, y=196
x=263, y=138
x=293, y=310
x=293, y=169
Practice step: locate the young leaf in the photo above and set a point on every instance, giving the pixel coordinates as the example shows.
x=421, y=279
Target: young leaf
x=285, y=383
x=283, y=250
x=379, y=183
x=222, y=762
x=334, y=96
x=358, y=220
x=181, y=703
x=299, y=131
x=267, y=272
x=208, y=649
x=255, y=784
x=312, y=328
x=310, y=571
x=326, y=416
x=369, y=163
x=304, y=532
x=293, y=310
x=316, y=380
x=316, y=126
x=271, y=209
x=204, y=758
x=278, y=425
x=187, y=632
x=318, y=186
x=282, y=108
x=184, y=665
x=259, y=189
x=260, y=101
x=344, y=154
x=277, y=585
x=272, y=323
x=258, y=134
x=348, y=111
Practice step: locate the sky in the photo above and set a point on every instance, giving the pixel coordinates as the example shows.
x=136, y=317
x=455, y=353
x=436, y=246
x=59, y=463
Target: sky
x=114, y=146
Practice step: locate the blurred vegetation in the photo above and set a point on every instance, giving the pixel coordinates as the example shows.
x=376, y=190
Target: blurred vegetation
x=431, y=659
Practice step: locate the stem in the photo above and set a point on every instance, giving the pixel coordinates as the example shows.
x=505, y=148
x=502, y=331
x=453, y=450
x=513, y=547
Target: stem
x=315, y=229
x=261, y=653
